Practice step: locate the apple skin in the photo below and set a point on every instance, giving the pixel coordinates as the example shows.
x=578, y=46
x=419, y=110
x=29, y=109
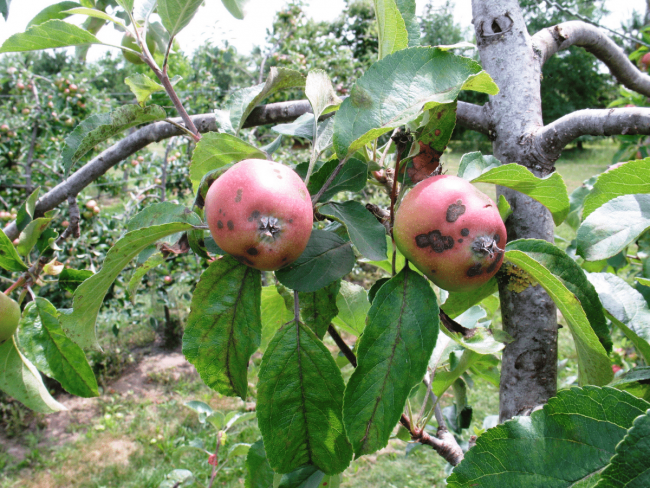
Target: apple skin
x=451, y=232
x=9, y=317
x=260, y=212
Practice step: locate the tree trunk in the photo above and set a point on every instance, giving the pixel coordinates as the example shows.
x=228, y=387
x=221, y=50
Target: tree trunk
x=529, y=367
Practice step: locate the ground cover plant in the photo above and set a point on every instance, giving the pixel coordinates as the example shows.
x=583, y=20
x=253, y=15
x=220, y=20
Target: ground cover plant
x=335, y=370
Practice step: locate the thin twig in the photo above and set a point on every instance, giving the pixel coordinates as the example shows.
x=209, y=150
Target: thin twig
x=334, y=174
x=216, y=458
x=345, y=349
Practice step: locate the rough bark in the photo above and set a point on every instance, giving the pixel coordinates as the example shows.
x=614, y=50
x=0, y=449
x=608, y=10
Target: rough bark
x=529, y=366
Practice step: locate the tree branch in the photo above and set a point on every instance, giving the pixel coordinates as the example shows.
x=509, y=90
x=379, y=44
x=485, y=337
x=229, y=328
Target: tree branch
x=551, y=139
x=472, y=117
x=548, y=42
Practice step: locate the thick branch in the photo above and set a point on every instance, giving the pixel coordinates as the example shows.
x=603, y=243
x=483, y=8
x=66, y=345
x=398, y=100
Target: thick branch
x=472, y=117
x=549, y=41
x=551, y=139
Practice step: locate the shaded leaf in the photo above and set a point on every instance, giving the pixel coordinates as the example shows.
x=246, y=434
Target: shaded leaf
x=22, y=381
x=366, y=232
x=635, y=381
x=152, y=262
x=299, y=403
x=326, y=258
x=142, y=87
x=392, y=356
x=176, y=14
x=79, y=324
x=47, y=346
x=56, y=11
x=352, y=177
x=318, y=308
x=10, y=260
x=353, y=305
x=100, y=127
x=258, y=471
x=274, y=314
x=474, y=164
x=70, y=279
x=393, y=35
x=458, y=302
x=224, y=326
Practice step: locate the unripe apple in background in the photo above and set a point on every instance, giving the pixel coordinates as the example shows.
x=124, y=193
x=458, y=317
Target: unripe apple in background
x=65, y=224
x=260, y=212
x=645, y=62
x=9, y=317
x=134, y=162
x=96, y=210
x=141, y=159
x=90, y=204
x=167, y=279
x=451, y=232
x=20, y=85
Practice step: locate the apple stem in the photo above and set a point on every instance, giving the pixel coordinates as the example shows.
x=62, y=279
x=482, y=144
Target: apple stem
x=18, y=283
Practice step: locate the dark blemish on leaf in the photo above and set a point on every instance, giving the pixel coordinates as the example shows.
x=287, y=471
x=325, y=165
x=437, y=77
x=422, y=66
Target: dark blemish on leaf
x=440, y=114
x=238, y=197
x=254, y=215
x=460, y=241
x=475, y=270
x=230, y=225
x=497, y=238
x=455, y=210
x=220, y=224
x=422, y=240
x=495, y=263
x=252, y=251
x=464, y=232
x=437, y=132
x=244, y=260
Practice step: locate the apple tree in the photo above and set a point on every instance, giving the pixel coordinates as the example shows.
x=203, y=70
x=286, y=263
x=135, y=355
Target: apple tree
x=413, y=341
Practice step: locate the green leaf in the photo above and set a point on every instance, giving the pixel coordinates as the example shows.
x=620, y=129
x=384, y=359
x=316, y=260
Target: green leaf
x=630, y=466
x=10, y=260
x=444, y=379
x=576, y=199
x=396, y=90
x=302, y=127
x=162, y=213
x=237, y=8
x=22, y=381
x=594, y=366
x=318, y=308
x=636, y=382
x=614, y=226
x=549, y=191
x=50, y=34
x=573, y=278
x=352, y=177
x=353, y=305
x=152, y=262
x=274, y=314
x=393, y=35
x=202, y=409
x=216, y=150
x=505, y=210
x=326, y=258
x=47, y=346
x=224, y=326
x=70, y=279
x=100, y=127
x=483, y=340
x=26, y=210
x=628, y=179
x=320, y=92
x=458, y=302
x=176, y=14
x=474, y=164
x=407, y=10
x=79, y=325
x=142, y=87
x=626, y=308
x=366, y=232
x=392, y=356
x=299, y=403
x=386, y=264
x=98, y=14
x=239, y=449
x=243, y=101
x=30, y=234
x=258, y=471
x=126, y=4
x=4, y=8
x=566, y=444
x=56, y=11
